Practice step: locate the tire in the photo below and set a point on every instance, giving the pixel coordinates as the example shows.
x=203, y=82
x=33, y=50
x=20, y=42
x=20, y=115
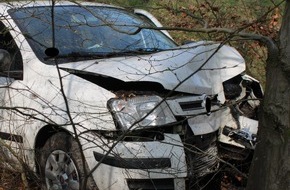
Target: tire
x=61, y=165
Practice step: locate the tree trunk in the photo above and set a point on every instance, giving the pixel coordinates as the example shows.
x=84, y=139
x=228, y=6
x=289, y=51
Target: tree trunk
x=271, y=164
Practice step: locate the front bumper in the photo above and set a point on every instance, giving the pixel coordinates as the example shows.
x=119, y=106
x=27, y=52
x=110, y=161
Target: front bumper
x=137, y=165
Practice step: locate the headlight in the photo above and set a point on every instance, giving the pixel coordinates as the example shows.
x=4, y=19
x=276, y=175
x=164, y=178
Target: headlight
x=132, y=111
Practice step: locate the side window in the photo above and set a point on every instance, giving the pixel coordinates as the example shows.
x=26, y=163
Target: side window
x=7, y=43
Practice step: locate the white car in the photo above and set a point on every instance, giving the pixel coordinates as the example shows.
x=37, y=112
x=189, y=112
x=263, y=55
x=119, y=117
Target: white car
x=90, y=92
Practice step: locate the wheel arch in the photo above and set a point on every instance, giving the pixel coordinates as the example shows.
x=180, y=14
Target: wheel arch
x=42, y=136
x=45, y=133
x=51, y=138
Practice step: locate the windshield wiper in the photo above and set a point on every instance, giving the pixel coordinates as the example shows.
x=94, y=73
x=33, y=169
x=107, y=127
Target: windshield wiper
x=76, y=56
x=100, y=55
x=142, y=51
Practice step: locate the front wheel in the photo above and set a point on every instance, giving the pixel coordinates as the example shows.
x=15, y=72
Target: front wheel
x=61, y=165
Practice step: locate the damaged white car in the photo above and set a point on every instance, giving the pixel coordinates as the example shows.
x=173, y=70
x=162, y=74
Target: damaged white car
x=92, y=98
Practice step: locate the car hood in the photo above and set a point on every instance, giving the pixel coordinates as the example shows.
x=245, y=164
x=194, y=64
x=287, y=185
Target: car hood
x=197, y=68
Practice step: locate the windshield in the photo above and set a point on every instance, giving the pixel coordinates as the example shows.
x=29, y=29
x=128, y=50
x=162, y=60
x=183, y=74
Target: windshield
x=87, y=32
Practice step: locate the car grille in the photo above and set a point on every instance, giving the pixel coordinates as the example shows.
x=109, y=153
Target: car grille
x=202, y=154
x=190, y=105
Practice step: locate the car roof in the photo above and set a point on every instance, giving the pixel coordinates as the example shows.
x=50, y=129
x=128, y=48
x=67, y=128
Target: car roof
x=4, y=6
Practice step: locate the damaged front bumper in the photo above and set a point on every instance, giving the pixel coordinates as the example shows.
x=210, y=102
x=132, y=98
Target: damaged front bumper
x=167, y=157
x=190, y=144
x=131, y=165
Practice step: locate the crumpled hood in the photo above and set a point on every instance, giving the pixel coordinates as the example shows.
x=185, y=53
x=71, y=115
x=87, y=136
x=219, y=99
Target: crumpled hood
x=196, y=68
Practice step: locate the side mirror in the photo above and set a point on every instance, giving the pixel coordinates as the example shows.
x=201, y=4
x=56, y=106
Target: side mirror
x=5, y=60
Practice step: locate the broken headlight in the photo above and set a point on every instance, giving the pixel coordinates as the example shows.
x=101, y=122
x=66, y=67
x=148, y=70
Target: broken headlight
x=140, y=111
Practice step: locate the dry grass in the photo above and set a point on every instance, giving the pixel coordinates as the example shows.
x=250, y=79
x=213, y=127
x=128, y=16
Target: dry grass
x=10, y=179
x=13, y=179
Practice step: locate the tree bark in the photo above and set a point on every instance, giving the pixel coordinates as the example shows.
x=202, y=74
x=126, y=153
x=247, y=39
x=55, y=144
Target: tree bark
x=270, y=168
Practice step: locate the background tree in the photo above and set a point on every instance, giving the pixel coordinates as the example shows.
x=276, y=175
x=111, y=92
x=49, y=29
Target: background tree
x=271, y=163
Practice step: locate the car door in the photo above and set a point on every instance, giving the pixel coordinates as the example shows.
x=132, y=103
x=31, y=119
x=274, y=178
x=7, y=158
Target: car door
x=11, y=69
